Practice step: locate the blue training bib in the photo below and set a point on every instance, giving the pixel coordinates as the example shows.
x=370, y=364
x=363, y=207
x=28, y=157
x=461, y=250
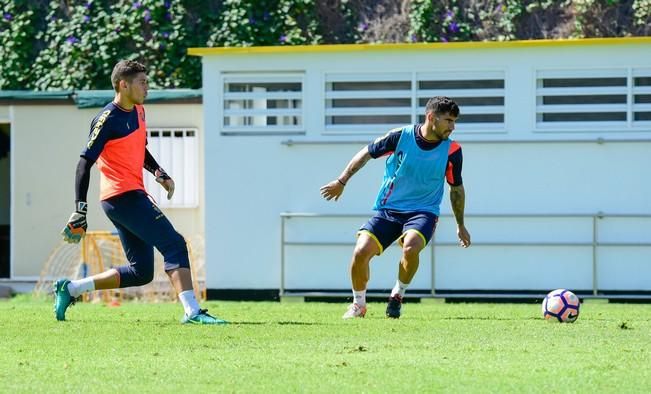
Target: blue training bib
x=413, y=177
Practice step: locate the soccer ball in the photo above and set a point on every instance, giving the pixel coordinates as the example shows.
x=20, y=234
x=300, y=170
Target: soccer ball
x=561, y=305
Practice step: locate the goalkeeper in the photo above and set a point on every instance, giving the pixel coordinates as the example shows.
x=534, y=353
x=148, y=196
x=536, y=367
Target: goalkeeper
x=117, y=143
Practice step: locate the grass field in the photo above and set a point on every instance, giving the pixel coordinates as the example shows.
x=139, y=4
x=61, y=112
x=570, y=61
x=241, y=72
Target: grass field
x=306, y=347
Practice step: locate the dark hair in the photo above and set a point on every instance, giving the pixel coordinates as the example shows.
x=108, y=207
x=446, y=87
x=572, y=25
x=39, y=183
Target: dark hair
x=442, y=105
x=126, y=70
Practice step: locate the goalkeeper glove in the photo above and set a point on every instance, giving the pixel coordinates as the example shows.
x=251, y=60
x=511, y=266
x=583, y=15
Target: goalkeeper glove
x=165, y=181
x=76, y=227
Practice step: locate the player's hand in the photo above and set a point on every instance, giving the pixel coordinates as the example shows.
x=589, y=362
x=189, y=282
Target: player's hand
x=332, y=190
x=464, y=236
x=165, y=181
x=76, y=227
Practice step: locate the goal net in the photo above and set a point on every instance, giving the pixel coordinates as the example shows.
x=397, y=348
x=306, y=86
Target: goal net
x=101, y=250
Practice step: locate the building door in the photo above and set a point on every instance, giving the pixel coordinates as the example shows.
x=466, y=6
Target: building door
x=5, y=195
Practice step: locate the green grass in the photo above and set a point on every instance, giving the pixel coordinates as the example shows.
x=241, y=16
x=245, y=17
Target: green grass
x=306, y=347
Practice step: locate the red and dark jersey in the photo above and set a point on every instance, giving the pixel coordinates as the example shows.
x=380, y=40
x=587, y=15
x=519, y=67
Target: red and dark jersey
x=117, y=142
x=387, y=145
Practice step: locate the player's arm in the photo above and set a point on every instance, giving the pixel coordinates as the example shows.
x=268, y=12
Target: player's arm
x=161, y=176
x=379, y=147
x=76, y=227
x=99, y=135
x=335, y=188
x=457, y=193
x=458, y=200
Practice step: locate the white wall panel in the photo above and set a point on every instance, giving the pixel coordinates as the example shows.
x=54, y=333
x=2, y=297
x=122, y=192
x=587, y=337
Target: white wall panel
x=625, y=230
x=526, y=229
x=624, y=268
x=328, y=268
x=513, y=268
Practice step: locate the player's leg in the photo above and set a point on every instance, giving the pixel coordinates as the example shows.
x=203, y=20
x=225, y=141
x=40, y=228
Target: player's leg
x=138, y=272
x=153, y=228
x=413, y=242
x=123, y=213
x=365, y=248
x=181, y=279
x=66, y=291
x=418, y=230
x=376, y=235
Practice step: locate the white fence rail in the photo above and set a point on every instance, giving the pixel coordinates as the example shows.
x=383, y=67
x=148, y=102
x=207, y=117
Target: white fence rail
x=513, y=255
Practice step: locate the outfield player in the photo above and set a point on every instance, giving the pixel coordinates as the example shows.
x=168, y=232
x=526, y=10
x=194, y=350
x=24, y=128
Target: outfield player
x=420, y=158
x=117, y=143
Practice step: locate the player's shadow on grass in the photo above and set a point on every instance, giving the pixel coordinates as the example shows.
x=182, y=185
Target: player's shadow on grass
x=486, y=318
x=281, y=323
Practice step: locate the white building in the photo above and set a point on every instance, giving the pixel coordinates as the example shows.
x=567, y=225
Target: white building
x=556, y=137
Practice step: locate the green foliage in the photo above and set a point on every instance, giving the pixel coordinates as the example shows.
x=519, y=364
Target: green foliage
x=73, y=44
x=602, y=18
x=85, y=40
x=266, y=22
x=434, y=21
x=505, y=15
x=338, y=21
x=490, y=20
x=642, y=17
x=19, y=24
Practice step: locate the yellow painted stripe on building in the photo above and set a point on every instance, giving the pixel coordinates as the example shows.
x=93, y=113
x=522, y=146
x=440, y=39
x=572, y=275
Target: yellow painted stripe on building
x=341, y=48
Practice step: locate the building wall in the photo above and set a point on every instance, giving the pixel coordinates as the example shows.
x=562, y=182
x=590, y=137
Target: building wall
x=525, y=185
x=47, y=140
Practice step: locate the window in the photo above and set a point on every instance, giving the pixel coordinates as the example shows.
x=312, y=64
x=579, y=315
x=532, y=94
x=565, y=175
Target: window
x=374, y=103
x=367, y=103
x=267, y=104
x=480, y=96
x=642, y=97
x=582, y=99
x=176, y=150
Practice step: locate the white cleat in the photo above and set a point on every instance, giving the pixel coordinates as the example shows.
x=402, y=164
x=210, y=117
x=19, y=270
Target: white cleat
x=354, y=311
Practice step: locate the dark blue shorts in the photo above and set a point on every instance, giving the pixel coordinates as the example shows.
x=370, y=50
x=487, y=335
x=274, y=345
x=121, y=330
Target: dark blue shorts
x=388, y=225
x=142, y=227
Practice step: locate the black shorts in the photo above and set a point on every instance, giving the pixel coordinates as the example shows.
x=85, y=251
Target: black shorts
x=388, y=225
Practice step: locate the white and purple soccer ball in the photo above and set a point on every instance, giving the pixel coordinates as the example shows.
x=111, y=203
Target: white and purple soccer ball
x=561, y=305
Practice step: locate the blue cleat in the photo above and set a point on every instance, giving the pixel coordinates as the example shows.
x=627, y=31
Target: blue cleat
x=62, y=298
x=393, y=307
x=202, y=318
